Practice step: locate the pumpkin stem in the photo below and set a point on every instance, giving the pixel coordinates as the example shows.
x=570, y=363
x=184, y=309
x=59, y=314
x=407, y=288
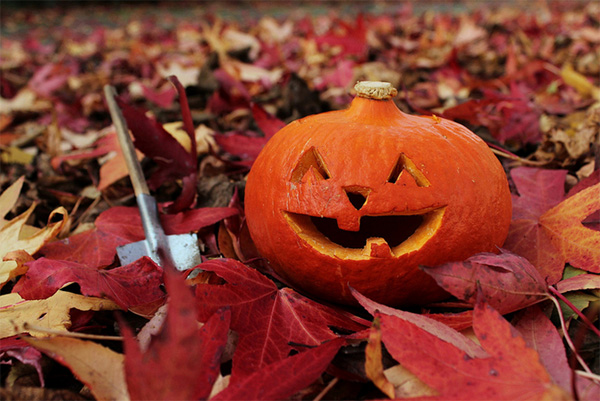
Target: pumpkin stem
x=375, y=90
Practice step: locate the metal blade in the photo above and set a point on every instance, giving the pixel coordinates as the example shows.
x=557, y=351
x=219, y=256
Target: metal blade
x=183, y=249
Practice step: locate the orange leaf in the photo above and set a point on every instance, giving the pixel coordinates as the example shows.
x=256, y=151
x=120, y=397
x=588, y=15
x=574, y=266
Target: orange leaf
x=578, y=245
x=373, y=363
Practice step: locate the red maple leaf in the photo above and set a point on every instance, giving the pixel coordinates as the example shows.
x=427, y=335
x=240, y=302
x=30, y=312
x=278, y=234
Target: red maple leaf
x=282, y=379
x=121, y=225
x=137, y=283
x=182, y=362
x=270, y=321
x=511, y=371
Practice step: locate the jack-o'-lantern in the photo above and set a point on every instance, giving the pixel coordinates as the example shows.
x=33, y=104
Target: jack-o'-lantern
x=362, y=197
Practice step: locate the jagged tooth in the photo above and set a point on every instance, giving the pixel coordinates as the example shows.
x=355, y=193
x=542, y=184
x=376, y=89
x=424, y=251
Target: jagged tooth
x=378, y=248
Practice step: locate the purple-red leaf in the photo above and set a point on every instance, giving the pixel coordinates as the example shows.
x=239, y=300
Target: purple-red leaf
x=507, y=281
x=540, y=334
x=539, y=190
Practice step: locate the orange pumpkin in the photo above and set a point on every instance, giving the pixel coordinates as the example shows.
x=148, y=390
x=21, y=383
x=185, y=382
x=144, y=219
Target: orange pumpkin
x=363, y=196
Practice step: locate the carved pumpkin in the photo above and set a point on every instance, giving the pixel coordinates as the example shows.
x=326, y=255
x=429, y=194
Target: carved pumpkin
x=363, y=196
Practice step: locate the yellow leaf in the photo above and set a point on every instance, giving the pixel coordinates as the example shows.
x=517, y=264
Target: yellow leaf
x=8, y=198
x=15, y=155
x=99, y=368
x=578, y=81
x=50, y=313
x=176, y=130
x=12, y=239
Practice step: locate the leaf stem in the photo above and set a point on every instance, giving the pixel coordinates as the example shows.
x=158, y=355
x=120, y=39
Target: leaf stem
x=591, y=376
x=503, y=153
x=324, y=392
x=568, y=337
x=583, y=317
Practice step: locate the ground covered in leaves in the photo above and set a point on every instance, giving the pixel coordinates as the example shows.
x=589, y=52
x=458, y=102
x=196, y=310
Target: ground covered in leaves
x=203, y=90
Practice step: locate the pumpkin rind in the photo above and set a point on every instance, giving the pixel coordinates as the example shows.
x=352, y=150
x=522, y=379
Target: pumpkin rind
x=445, y=173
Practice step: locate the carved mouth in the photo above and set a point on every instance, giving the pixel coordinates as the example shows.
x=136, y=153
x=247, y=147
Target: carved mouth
x=378, y=236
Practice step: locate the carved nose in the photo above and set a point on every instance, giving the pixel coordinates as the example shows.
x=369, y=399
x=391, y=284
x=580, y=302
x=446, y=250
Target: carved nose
x=357, y=196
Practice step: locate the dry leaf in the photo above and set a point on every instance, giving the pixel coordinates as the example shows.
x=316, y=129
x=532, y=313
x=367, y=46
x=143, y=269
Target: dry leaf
x=11, y=239
x=373, y=363
x=406, y=384
x=98, y=367
x=50, y=314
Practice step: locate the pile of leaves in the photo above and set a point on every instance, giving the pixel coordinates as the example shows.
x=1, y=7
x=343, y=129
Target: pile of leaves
x=202, y=94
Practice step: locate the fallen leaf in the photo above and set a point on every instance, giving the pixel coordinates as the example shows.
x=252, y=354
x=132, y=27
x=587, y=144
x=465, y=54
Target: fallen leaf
x=373, y=363
x=155, y=142
x=93, y=248
x=267, y=123
x=540, y=334
x=98, y=367
x=11, y=239
x=131, y=285
x=122, y=225
x=580, y=282
x=14, y=155
x=241, y=145
x=270, y=321
x=282, y=379
x=511, y=371
x=579, y=82
x=13, y=347
x=9, y=198
x=507, y=281
x=428, y=324
x=182, y=361
x=53, y=313
x=406, y=384
x=25, y=100
x=115, y=168
x=574, y=243
x=162, y=97
x=539, y=190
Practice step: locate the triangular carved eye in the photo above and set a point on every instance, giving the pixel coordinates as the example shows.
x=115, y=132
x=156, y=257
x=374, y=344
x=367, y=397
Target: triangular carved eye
x=310, y=159
x=405, y=164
